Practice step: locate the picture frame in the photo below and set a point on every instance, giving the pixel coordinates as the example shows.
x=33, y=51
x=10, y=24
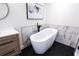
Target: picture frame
x=35, y=11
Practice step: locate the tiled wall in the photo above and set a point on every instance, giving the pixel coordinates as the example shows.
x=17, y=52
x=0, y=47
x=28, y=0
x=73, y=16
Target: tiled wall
x=67, y=35
x=27, y=31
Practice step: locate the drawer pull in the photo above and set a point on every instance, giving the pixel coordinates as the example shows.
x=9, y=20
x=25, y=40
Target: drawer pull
x=6, y=43
x=11, y=52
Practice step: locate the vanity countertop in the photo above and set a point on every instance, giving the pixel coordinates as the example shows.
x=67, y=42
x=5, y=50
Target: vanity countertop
x=7, y=32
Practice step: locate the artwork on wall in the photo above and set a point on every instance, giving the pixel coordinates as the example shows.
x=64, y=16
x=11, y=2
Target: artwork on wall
x=35, y=11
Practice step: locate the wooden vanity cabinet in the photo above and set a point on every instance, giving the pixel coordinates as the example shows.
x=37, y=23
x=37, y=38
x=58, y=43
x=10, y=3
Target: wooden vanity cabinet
x=9, y=45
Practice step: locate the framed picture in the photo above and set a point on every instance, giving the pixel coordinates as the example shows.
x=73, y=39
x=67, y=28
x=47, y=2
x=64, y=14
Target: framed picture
x=35, y=11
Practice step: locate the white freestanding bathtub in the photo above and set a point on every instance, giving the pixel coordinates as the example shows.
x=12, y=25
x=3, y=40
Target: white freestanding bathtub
x=43, y=40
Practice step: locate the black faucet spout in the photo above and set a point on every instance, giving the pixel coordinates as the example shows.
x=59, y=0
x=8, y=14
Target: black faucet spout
x=38, y=27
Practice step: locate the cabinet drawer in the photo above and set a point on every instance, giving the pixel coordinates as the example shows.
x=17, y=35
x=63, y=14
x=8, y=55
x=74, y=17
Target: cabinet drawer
x=7, y=39
x=7, y=45
x=11, y=52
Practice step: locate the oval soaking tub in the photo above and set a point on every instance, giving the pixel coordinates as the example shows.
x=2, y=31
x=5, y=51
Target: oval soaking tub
x=43, y=40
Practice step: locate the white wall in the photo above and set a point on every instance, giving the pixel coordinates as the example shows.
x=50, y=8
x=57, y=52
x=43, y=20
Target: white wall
x=17, y=18
x=59, y=14
x=63, y=14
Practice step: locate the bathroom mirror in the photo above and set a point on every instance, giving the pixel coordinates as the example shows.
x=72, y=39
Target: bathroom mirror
x=4, y=10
